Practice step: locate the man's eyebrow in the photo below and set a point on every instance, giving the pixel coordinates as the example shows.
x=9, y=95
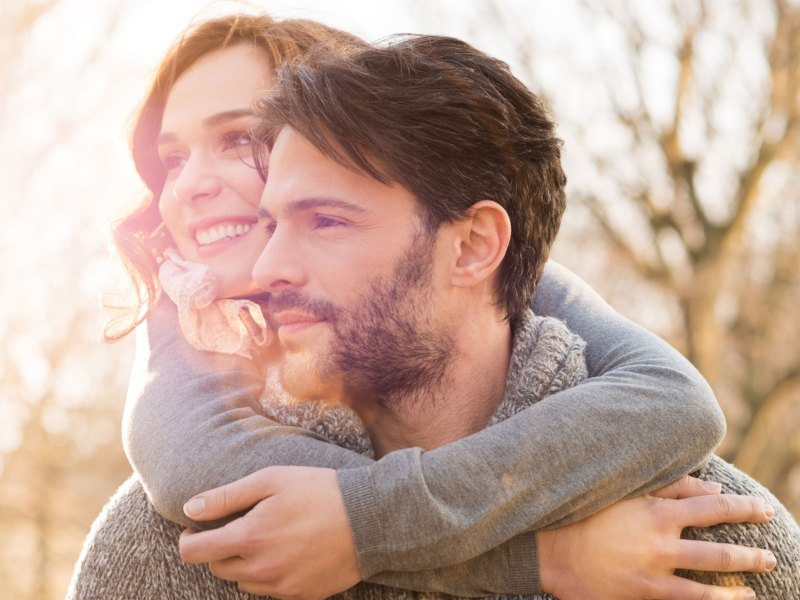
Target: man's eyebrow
x=296, y=206
x=209, y=122
x=303, y=204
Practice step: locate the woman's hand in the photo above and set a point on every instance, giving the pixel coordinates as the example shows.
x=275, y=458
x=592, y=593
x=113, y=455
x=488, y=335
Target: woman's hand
x=629, y=550
x=294, y=543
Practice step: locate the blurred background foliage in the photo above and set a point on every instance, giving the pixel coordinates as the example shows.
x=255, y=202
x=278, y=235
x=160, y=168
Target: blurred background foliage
x=682, y=127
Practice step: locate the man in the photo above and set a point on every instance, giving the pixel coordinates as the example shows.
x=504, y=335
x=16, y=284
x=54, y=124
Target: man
x=408, y=187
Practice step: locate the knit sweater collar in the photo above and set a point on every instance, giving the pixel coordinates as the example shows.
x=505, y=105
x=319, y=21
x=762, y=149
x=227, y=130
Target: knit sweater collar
x=546, y=358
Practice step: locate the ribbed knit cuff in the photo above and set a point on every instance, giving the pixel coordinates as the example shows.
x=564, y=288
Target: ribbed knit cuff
x=523, y=564
x=365, y=522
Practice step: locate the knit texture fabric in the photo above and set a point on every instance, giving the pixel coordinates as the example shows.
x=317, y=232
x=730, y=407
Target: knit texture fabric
x=335, y=422
x=131, y=552
x=781, y=535
x=227, y=325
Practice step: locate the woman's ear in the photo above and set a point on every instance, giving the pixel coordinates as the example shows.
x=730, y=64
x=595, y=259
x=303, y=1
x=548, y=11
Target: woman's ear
x=482, y=243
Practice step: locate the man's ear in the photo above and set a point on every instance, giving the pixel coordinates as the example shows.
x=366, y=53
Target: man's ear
x=482, y=243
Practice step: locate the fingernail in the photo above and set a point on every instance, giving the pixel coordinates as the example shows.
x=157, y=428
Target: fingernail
x=769, y=510
x=194, y=507
x=771, y=561
x=750, y=595
x=712, y=486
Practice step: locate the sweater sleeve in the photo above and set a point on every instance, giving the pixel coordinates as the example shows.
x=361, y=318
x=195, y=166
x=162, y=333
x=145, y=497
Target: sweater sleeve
x=193, y=420
x=643, y=419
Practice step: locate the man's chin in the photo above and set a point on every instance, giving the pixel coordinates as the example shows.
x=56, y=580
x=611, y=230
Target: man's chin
x=303, y=377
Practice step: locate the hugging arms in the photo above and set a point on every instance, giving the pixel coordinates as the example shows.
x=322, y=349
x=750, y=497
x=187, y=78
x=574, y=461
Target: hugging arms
x=410, y=517
x=197, y=423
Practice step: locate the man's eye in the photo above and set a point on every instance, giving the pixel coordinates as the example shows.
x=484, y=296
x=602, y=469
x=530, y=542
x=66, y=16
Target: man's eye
x=323, y=222
x=269, y=227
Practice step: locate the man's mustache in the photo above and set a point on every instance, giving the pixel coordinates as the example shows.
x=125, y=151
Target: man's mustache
x=293, y=300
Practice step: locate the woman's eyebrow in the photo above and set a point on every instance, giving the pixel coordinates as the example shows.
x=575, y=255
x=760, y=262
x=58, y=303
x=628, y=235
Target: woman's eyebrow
x=225, y=116
x=209, y=122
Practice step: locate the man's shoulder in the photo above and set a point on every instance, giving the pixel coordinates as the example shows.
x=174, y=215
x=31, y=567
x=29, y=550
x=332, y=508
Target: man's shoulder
x=546, y=358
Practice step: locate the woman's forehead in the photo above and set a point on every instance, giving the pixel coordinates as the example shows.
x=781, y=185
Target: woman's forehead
x=231, y=78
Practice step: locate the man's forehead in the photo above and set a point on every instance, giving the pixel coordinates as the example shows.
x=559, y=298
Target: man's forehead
x=292, y=161
x=298, y=171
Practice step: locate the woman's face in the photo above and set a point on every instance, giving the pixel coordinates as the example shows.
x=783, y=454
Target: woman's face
x=211, y=194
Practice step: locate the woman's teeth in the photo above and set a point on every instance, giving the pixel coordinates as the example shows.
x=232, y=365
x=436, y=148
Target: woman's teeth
x=220, y=232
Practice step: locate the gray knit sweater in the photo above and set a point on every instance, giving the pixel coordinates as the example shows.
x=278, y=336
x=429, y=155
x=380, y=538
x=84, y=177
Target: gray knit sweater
x=131, y=552
x=193, y=422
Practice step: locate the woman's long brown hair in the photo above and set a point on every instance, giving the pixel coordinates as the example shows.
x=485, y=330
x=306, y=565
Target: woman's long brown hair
x=140, y=237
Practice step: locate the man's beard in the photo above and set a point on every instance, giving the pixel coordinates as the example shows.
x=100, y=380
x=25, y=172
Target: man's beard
x=387, y=349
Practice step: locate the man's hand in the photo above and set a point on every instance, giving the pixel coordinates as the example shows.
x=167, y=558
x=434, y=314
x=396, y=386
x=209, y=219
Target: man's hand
x=295, y=542
x=629, y=550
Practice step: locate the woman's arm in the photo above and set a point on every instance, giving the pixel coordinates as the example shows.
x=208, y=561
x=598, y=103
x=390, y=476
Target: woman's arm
x=644, y=418
x=193, y=420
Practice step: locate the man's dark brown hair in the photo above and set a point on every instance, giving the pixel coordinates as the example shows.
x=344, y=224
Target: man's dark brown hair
x=444, y=120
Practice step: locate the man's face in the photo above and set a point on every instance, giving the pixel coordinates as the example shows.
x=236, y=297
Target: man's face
x=354, y=280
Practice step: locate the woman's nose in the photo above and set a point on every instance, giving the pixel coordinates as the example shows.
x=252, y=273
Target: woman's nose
x=197, y=179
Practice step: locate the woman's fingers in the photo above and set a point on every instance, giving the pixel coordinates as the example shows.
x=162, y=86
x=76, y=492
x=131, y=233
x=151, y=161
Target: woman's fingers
x=725, y=558
x=705, y=511
x=229, y=499
x=679, y=588
x=687, y=487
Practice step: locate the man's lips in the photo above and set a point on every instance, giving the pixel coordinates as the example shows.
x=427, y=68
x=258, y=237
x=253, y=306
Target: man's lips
x=288, y=323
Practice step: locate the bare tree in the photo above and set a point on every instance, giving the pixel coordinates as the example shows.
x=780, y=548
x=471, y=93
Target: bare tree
x=61, y=391
x=688, y=138
x=737, y=294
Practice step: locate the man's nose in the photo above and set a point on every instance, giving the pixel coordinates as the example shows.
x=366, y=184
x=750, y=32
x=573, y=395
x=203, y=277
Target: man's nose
x=280, y=265
x=197, y=179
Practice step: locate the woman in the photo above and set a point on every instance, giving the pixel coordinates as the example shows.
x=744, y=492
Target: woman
x=199, y=147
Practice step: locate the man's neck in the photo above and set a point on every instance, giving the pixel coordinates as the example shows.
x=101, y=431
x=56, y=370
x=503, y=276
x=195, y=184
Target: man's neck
x=455, y=407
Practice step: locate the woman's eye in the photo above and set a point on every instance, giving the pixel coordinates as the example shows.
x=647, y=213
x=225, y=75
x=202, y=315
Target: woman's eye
x=173, y=162
x=269, y=227
x=238, y=144
x=236, y=139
